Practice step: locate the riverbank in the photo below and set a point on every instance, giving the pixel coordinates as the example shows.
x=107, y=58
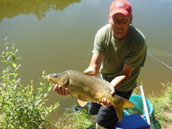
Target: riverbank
x=161, y=118
x=162, y=108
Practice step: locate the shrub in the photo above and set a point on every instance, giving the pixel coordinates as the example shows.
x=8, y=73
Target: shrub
x=20, y=106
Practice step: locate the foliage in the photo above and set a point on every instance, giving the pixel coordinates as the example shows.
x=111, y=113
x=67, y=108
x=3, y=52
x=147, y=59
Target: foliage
x=162, y=107
x=20, y=106
x=75, y=120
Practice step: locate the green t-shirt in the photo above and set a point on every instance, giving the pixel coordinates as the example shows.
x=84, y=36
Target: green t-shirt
x=130, y=50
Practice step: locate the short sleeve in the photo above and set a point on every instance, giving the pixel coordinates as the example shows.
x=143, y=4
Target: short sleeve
x=138, y=55
x=99, y=42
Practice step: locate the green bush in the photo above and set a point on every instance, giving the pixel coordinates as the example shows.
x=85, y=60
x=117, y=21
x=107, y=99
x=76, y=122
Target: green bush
x=22, y=107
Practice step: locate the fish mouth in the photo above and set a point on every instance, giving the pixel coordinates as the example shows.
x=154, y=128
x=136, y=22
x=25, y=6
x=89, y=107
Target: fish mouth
x=48, y=78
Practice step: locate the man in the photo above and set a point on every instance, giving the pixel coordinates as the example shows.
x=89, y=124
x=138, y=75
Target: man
x=119, y=52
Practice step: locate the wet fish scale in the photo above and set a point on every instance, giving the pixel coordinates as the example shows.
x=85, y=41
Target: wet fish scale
x=88, y=88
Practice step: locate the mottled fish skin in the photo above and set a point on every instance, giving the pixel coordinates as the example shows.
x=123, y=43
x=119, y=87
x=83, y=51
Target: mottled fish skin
x=89, y=88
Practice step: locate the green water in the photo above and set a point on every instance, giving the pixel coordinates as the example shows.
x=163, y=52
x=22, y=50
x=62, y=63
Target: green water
x=58, y=35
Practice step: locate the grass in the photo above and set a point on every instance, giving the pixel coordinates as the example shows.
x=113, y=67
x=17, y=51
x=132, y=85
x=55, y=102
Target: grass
x=75, y=120
x=162, y=117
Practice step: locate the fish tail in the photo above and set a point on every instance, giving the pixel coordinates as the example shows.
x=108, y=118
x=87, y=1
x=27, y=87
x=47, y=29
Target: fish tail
x=119, y=103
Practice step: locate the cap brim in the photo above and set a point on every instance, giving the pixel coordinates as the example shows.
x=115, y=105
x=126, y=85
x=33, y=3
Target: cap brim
x=122, y=11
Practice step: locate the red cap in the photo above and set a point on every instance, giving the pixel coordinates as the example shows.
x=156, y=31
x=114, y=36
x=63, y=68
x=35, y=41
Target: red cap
x=120, y=6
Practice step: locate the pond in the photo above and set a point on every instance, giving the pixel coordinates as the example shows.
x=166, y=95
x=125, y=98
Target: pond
x=58, y=35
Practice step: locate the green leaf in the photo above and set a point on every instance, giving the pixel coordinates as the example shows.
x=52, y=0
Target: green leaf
x=49, y=88
x=45, y=95
x=14, y=58
x=14, y=65
x=12, y=53
x=56, y=105
x=13, y=80
x=6, y=53
x=36, y=103
x=16, y=51
x=8, y=58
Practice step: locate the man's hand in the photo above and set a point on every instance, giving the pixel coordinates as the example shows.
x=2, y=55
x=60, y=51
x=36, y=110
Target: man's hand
x=113, y=92
x=105, y=101
x=90, y=71
x=62, y=90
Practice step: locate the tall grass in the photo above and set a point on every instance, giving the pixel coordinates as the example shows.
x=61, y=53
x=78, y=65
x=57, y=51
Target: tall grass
x=22, y=107
x=163, y=107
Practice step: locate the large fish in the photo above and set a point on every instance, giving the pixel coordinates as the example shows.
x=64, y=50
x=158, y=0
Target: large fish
x=88, y=88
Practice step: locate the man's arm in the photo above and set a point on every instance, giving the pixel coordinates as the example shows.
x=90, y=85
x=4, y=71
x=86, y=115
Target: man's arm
x=95, y=64
x=126, y=73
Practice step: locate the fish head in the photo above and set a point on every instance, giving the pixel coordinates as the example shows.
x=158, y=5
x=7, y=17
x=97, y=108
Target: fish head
x=58, y=78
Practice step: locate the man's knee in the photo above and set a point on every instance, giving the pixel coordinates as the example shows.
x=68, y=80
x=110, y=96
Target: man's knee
x=105, y=124
x=107, y=117
x=93, y=108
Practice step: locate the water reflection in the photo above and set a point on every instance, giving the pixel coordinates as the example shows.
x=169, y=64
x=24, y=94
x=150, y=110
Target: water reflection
x=63, y=39
x=12, y=8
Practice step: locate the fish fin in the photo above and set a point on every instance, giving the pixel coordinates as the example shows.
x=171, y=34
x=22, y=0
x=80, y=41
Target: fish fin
x=80, y=102
x=118, y=108
x=119, y=103
x=125, y=102
x=119, y=112
x=77, y=102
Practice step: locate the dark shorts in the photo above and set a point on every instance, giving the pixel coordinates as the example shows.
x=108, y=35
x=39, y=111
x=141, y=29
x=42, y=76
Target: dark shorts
x=107, y=117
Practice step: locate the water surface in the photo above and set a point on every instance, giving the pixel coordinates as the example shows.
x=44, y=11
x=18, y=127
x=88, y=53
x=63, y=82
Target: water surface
x=58, y=35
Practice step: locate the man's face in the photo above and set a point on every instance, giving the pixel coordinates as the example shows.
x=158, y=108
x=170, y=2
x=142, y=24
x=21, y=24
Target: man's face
x=120, y=25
